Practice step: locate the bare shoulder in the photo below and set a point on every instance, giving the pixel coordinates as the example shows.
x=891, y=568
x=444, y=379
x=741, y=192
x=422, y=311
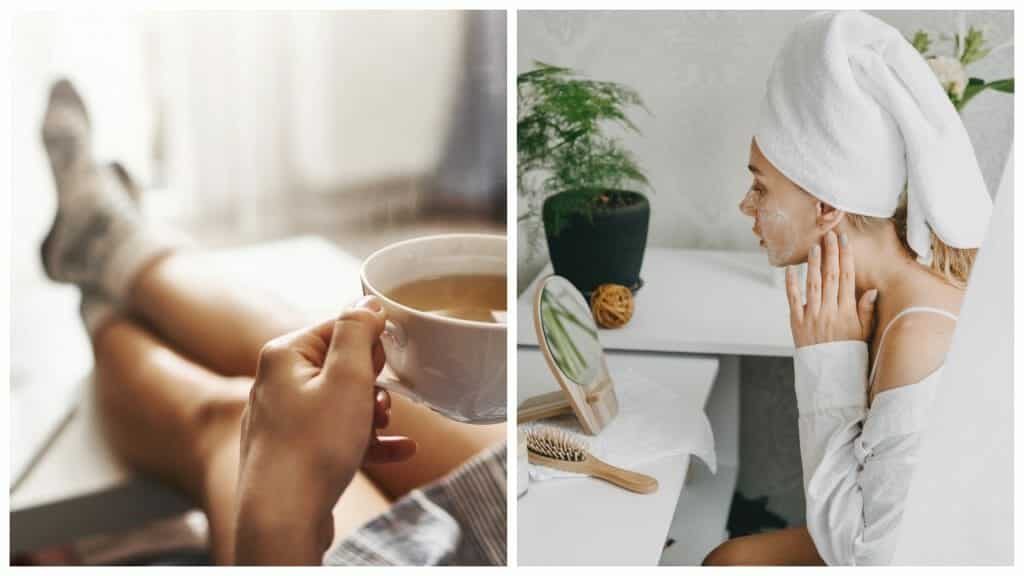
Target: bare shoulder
x=915, y=346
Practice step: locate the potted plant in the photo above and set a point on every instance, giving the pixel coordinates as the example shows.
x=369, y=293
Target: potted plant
x=582, y=182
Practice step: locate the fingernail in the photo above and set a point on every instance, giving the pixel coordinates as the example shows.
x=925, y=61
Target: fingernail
x=873, y=295
x=815, y=249
x=369, y=302
x=843, y=239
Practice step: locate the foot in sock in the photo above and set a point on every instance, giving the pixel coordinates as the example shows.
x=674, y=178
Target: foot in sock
x=66, y=130
x=95, y=307
x=98, y=239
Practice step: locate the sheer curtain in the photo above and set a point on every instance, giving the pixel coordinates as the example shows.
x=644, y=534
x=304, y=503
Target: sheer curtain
x=472, y=173
x=264, y=117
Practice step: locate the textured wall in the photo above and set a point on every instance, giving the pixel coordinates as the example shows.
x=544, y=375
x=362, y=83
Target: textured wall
x=702, y=75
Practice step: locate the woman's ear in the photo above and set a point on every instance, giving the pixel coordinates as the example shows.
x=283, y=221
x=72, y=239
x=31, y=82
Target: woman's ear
x=828, y=217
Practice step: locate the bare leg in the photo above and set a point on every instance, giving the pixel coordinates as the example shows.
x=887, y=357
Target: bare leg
x=789, y=547
x=443, y=445
x=224, y=327
x=179, y=422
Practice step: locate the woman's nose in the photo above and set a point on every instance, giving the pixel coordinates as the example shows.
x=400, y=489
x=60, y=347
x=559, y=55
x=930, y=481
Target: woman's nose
x=747, y=205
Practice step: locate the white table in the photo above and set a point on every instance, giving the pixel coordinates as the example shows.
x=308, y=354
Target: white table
x=727, y=304
x=79, y=487
x=583, y=521
x=696, y=301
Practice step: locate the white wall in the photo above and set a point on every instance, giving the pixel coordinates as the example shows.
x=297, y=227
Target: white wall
x=702, y=75
x=960, y=509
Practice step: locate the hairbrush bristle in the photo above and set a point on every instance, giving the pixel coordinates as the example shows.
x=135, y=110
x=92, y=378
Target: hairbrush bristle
x=556, y=444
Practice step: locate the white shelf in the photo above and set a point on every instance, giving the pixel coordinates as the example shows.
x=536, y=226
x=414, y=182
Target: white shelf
x=582, y=521
x=728, y=304
x=587, y=522
x=696, y=301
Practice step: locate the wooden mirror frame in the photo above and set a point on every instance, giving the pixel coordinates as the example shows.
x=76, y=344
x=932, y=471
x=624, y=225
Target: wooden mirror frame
x=594, y=409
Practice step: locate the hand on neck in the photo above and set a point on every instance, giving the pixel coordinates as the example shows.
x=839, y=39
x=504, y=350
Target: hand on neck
x=880, y=258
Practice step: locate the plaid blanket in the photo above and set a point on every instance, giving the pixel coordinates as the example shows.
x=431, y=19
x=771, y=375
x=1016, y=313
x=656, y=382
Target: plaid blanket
x=458, y=520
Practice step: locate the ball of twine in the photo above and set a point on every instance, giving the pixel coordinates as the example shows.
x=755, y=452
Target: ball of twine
x=612, y=305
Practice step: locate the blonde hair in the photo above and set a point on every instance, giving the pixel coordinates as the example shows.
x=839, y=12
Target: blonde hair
x=951, y=264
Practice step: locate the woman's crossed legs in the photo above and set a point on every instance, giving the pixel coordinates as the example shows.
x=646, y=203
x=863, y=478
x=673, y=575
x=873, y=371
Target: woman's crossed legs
x=172, y=386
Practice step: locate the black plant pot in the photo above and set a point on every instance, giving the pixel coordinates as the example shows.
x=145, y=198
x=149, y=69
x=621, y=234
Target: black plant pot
x=606, y=246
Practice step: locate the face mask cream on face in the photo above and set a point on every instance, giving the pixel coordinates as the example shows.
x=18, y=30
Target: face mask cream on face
x=778, y=235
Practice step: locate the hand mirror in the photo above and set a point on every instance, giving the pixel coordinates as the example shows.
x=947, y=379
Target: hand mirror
x=568, y=338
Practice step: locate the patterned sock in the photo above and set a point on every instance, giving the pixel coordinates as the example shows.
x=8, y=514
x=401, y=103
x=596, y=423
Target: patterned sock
x=98, y=239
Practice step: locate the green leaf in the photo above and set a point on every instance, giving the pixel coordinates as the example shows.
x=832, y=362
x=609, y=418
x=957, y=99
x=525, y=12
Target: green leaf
x=921, y=42
x=563, y=143
x=974, y=47
x=976, y=86
x=1004, y=85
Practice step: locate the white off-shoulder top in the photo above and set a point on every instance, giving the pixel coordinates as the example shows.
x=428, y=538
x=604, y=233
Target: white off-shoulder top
x=857, y=460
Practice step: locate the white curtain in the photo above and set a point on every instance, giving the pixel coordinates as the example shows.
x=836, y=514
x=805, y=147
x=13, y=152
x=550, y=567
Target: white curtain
x=260, y=110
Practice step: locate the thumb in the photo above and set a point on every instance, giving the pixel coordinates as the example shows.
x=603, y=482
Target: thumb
x=866, y=311
x=356, y=331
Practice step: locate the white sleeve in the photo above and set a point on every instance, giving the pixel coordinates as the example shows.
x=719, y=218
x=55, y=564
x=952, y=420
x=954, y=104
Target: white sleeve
x=855, y=487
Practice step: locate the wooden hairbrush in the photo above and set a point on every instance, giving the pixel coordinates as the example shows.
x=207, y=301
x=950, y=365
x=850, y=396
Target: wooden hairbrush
x=557, y=449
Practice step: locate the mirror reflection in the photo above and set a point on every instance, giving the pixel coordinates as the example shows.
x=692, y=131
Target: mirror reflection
x=570, y=332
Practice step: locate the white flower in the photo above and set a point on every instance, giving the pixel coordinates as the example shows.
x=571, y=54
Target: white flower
x=951, y=74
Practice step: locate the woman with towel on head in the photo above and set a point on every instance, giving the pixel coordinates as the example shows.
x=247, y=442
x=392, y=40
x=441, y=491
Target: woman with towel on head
x=863, y=170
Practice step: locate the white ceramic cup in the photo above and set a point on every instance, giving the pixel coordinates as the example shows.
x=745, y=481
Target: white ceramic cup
x=454, y=366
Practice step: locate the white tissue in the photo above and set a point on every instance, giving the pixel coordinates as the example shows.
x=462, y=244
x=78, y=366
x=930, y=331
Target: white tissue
x=653, y=422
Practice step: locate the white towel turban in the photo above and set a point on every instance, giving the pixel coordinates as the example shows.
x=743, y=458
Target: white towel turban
x=853, y=113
